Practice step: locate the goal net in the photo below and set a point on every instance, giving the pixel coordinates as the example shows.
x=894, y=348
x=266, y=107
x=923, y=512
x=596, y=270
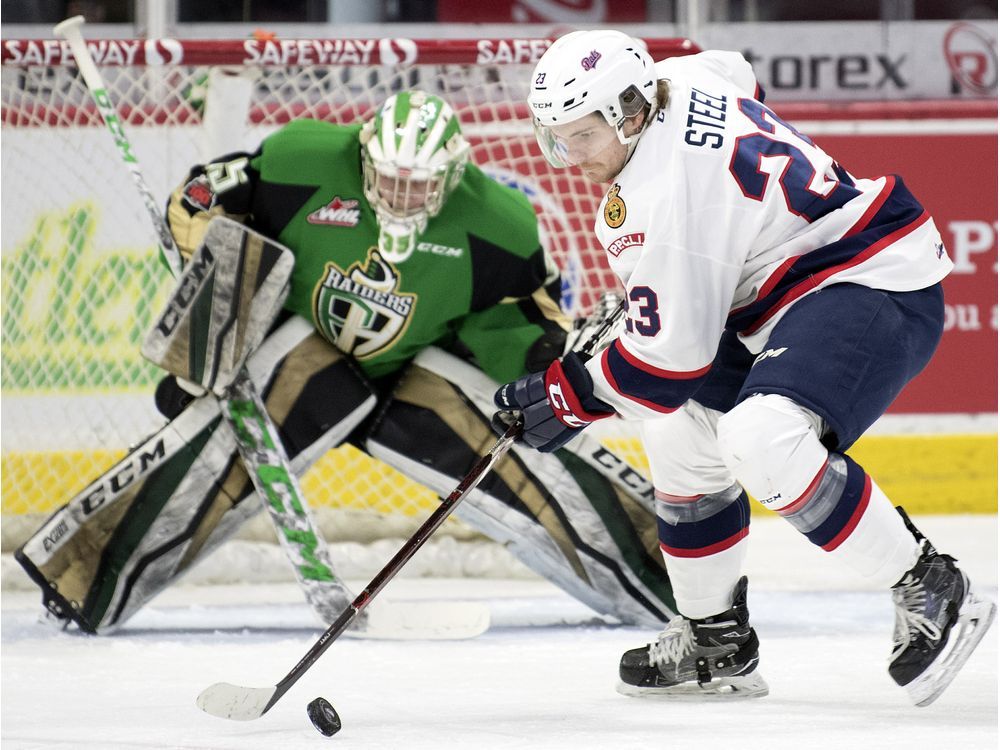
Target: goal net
x=81, y=278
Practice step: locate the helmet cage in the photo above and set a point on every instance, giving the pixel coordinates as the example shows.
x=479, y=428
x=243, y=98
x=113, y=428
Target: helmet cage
x=413, y=157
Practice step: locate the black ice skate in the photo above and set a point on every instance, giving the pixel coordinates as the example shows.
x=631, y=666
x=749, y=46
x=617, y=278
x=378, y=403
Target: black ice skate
x=698, y=659
x=939, y=622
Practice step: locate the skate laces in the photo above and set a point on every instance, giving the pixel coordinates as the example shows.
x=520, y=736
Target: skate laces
x=674, y=643
x=910, y=597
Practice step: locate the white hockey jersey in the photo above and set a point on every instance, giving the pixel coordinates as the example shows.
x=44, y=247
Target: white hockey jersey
x=724, y=216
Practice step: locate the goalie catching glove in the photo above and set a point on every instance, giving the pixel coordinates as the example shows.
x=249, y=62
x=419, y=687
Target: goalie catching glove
x=555, y=404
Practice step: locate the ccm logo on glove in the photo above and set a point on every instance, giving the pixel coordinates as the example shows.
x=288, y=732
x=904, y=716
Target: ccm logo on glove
x=563, y=400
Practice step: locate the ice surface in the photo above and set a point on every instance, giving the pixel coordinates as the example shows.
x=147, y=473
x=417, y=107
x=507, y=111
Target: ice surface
x=542, y=677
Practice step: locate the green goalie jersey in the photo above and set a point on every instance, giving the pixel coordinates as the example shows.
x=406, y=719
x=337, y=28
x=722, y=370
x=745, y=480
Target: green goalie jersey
x=478, y=281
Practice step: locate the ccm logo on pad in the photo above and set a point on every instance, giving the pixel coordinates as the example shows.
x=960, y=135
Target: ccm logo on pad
x=626, y=241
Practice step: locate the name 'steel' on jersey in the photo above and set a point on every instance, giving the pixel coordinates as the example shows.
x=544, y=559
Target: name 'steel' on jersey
x=360, y=310
x=706, y=119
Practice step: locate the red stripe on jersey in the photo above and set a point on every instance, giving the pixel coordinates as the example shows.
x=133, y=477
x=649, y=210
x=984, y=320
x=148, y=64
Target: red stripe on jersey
x=657, y=371
x=861, y=224
x=772, y=281
x=880, y=199
x=855, y=518
x=816, y=279
x=651, y=405
x=710, y=549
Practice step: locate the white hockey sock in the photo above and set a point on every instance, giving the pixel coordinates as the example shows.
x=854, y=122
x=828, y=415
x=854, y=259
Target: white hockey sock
x=880, y=547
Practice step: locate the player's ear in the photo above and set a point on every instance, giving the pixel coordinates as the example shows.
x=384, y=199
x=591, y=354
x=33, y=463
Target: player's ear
x=634, y=123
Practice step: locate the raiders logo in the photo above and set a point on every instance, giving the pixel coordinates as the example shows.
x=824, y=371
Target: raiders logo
x=360, y=310
x=614, y=209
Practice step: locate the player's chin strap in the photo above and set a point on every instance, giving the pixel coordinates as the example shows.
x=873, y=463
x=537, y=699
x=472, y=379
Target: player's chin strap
x=633, y=140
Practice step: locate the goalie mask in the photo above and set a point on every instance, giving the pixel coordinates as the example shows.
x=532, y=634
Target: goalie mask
x=586, y=72
x=413, y=157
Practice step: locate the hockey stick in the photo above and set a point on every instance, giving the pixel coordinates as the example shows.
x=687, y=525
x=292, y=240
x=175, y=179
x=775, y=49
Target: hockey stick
x=70, y=31
x=256, y=436
x=228, y=701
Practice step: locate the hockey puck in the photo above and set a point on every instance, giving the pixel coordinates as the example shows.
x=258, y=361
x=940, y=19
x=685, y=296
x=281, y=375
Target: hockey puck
x=324, y=717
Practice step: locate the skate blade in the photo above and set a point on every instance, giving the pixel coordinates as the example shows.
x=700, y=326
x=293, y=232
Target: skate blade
x=723, y=689
x=974, y=619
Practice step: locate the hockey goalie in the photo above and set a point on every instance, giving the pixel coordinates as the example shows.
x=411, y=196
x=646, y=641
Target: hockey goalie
x=416, y=285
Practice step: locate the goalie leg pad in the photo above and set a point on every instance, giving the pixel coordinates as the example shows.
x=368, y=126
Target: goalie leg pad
x=579, y=517
x=145, y=522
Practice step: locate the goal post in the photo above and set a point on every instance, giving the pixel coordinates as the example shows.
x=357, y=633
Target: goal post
x=81, y=278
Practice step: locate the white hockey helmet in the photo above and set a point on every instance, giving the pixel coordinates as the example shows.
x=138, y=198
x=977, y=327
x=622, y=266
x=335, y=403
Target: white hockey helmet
x=413, y=157
x=583, y=72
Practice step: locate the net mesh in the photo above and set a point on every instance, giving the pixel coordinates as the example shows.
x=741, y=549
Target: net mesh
x=82, y=283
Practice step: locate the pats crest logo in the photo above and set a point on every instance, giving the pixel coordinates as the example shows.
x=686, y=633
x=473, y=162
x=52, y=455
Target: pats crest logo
x=360, y=310
x=614, y=209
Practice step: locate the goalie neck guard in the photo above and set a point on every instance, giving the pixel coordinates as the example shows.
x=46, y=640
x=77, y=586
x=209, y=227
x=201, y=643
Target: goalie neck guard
x=413, y=157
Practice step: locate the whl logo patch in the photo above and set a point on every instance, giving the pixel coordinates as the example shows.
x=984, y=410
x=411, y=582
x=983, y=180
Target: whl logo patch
x=361, y=310
x=337, y=213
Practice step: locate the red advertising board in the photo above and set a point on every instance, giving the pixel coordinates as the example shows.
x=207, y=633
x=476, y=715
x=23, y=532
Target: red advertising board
x=954, y=174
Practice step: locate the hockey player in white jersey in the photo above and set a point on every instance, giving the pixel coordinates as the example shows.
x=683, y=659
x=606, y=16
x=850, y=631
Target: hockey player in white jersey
x=775, y=306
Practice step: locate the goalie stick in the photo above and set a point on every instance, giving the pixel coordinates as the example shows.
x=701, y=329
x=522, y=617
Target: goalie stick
x=239, y=703
x=260, y=447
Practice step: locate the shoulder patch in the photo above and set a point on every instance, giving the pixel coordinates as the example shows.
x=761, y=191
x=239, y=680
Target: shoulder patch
x=614, y=209
x=625, y=241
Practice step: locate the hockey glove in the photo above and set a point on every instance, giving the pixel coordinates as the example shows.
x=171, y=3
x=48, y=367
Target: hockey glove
x=555, y=404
